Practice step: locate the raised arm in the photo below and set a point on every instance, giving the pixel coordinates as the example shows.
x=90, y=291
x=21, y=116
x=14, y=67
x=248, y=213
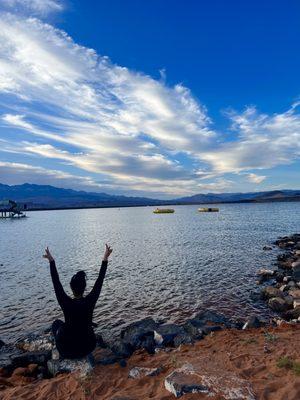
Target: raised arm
x=59, y=291
x=95, y=292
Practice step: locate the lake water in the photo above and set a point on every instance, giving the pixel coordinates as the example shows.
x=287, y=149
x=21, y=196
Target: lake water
x=165, y=266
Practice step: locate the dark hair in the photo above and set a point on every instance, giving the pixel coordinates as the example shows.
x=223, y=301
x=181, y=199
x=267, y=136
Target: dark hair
x=78, y=283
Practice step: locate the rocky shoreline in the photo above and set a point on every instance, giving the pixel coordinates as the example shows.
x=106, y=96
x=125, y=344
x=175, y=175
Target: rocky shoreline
x=34, y=357
x=283, y=291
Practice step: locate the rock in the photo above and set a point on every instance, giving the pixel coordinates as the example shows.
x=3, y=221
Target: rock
x=20, y=371
x=183, y=338
x=211, y=328
x=286, y=279
x=291, y=284
x=295, y=293
x=185, y=380
x=292, y=314
x=35, y=342
x=253, y=322
x=265, y=274
x=220, y=384
x=81, y=366
x=193, y=331
x=106, y=357
x=141, y=372
x=148, y=343
x=279, y=276
x=164, y=335
x=289, y=300
x=137, y=331
x=6, y=353
x=32, y=368
x=283, y=288
x=99, y=341
x=296, y=264
x=267, y=248
x=211, y=316
x=296, y=303
x=296, y=273
x=33, y=357
x=278, y=304
x=270, y=291
x=122, y=349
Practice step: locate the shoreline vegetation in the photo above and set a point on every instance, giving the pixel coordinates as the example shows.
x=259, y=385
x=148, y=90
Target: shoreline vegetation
x=207, y=357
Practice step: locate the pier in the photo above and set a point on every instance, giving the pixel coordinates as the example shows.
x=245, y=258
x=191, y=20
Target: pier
x=11, y=209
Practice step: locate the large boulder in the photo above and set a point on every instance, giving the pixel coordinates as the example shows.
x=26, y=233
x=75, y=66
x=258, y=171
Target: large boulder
x=183, y=338
x=194, y=331
x=269, y=292
x=32, y=357
x=295, y=293
x=185, y=380
x=36, y=342
x=292, y=314
x=106, y=357
x=219, y=384
x=121, y=348
x=206, y=317
x=296, y=273
x=278, y=304
x=81, y=366
x=141, y=372
x=6, y=353
x=164, y=335
x=135, y=333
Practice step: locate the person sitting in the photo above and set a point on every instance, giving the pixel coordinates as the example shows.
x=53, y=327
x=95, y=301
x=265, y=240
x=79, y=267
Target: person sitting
x=75, y=338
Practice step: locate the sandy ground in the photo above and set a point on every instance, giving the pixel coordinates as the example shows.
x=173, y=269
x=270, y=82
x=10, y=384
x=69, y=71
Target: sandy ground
x=251, y=355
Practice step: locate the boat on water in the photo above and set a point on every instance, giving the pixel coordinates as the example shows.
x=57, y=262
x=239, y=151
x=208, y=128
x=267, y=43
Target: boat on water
x=163, y=211
x=208, y=209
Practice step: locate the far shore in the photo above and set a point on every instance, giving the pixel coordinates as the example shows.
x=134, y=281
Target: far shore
x=166, y=204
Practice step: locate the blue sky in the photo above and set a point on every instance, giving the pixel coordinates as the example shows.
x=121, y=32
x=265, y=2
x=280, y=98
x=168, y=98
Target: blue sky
x=157, y=98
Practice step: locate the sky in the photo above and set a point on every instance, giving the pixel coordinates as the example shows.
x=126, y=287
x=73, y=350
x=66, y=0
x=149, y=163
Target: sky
x=160, y=98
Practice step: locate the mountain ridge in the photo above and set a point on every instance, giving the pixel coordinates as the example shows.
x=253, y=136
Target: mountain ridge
x=51, y=197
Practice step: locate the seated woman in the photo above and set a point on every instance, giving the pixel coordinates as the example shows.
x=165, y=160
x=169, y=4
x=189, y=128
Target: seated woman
x=75, y=337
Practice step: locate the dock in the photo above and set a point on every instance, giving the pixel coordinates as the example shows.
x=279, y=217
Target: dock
x=11, y=209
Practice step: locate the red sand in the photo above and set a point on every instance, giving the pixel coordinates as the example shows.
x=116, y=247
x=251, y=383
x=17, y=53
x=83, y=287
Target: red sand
x=250, y=355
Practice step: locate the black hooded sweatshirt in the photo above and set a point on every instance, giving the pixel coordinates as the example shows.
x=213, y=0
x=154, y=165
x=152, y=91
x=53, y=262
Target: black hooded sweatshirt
x=76, y=337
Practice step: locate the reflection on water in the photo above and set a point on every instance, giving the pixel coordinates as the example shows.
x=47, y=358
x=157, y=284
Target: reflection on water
x=165, y=266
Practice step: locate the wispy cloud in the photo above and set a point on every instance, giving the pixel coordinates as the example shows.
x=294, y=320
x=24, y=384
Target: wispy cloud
x=67, y=104
x=35, y=7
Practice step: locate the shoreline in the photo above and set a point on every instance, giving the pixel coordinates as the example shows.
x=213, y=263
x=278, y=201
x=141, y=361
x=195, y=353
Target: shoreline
x=164, y=204
x=167, y=359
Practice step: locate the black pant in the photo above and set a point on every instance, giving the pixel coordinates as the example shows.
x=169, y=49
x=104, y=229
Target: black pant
x=57, y=324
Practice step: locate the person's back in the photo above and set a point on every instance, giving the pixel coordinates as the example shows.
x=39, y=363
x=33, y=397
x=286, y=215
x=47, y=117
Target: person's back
x=75, y=337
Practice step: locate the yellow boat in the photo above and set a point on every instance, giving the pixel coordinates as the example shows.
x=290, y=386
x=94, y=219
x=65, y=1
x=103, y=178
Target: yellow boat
x=204, y=209
x=163, y=211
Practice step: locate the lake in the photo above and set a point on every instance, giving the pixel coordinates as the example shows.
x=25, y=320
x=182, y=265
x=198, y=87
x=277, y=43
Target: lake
x=167, y=266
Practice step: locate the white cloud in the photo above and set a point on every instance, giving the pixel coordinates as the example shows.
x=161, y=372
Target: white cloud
x=264, y=141
x=76, y=108
x=255, y=178
x=13, y=174
x=36, y=7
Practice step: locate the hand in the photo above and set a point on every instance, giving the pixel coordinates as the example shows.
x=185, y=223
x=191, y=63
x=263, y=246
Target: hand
x=48, y=255
x=107, y=253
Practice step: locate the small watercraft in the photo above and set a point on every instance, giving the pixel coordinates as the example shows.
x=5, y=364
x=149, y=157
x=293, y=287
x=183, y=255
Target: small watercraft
x=205, y=209
x=163, y=211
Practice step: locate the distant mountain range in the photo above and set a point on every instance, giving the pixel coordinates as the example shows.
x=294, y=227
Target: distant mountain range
x=50, y=197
